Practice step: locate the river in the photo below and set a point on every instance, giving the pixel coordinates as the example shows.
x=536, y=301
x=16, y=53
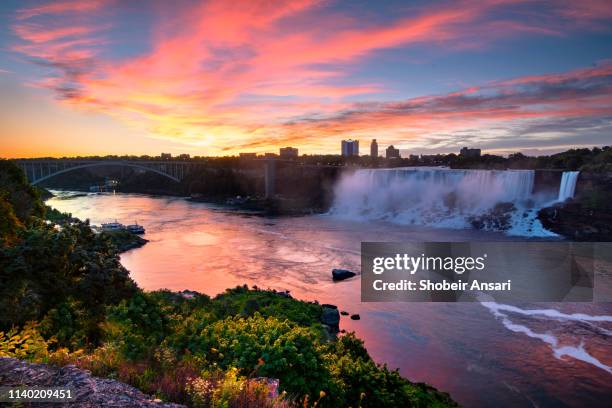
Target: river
x=482, y=354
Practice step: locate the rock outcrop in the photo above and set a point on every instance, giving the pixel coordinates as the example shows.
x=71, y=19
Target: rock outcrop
x=577, y=222
x=497, y=219
x=331, y=318
x=586, y=217
x=88, y=391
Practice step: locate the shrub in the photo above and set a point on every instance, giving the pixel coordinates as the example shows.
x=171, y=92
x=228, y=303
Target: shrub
x=268, y=347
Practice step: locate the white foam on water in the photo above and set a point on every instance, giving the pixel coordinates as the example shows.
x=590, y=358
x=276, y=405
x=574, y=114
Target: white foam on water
x=553, y=313
x=576, y=352
x=439, y=197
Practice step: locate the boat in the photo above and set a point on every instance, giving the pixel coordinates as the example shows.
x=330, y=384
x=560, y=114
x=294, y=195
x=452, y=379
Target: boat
x=135, y=228
x=113, y=226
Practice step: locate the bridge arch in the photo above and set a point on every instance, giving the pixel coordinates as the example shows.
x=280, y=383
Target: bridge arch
x=105, y=163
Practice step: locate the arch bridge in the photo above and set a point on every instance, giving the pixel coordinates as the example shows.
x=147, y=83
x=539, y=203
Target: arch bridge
x=38, y=170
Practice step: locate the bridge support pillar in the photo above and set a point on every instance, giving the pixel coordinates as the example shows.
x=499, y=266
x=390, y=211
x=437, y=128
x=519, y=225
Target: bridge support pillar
x=270, y=178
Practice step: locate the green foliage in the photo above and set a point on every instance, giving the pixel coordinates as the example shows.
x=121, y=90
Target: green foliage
x=184, y=347
x=137, y=324
x=601, y=162
x=268, y=347
x=362, y=381
x=596, y=159
x=225, y=389
x=124, y=240
x=173, y=334
x=57, y=216
x=9, y=223
x=244, y=302
x=47, y=267
x=29, y=344
x=15, y=189
x=26, y=344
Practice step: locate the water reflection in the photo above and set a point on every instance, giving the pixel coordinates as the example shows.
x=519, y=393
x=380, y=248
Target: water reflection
x=464, y=349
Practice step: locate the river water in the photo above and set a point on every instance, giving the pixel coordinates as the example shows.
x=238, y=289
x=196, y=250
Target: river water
x=482, y=354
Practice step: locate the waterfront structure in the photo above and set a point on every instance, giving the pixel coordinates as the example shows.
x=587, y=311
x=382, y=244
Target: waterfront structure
x=288, y=152
x=350, y=148
x=37, y=170
x=467, y=152
x=393, y=153
x=373, y=149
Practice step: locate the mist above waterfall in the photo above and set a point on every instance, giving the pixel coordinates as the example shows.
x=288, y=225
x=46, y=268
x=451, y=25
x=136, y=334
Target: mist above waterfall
x=442, y=197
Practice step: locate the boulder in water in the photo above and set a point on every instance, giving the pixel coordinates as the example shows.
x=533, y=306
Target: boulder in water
x=342, y=274
x=499, y=218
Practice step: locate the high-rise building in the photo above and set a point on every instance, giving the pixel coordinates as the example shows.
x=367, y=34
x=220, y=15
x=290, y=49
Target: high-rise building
x=350, y=148
x=393, y=153
x=467, y=152
x=288, y=152
x=374, y=149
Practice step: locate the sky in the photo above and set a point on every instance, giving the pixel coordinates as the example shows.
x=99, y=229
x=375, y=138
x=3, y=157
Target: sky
x=218, y=77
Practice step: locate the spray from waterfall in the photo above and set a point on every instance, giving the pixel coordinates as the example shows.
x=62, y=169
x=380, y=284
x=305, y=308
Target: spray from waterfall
x=568, y=185
x=442, y=197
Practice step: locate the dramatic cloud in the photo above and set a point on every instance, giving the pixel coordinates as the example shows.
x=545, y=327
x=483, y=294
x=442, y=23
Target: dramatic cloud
x=229, y=76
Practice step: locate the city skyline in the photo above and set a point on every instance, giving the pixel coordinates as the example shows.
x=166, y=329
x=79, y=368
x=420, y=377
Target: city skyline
x=219, y=78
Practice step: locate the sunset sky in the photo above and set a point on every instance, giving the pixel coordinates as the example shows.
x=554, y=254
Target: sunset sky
x=221, y=77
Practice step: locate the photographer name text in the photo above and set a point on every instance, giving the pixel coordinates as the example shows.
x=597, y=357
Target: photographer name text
x=413, y=264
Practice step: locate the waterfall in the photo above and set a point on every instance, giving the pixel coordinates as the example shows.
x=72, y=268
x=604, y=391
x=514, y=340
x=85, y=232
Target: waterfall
x=568, y=185
x=441, y=197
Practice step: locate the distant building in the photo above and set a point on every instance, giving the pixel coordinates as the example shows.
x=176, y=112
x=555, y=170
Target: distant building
x=414, y=157
x=466, y=152
x=350, y=148
x=373, y=148
x=393, y=153
x=288, y=152
x=270, y=155
x=184, y=156
x=166, y=156
x=248, y=155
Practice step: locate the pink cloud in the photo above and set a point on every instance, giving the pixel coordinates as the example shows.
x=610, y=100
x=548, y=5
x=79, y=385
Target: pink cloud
x=61, y=7
x=252, y=71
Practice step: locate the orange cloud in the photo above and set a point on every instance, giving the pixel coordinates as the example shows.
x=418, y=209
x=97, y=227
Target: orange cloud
x=252, y=74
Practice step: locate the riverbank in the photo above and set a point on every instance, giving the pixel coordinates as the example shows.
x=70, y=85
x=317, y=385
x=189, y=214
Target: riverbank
x=277, y=206
x=170, y=344
x=66, y=299
x=207, y=248
x=125, y=240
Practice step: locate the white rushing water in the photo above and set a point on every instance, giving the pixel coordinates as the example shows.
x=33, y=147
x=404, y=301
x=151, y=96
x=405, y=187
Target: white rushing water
x=442, y=197
x=568, y=185
x=576, y=351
